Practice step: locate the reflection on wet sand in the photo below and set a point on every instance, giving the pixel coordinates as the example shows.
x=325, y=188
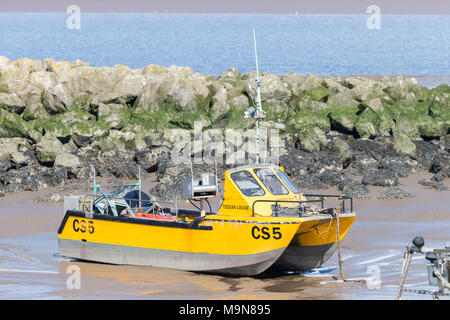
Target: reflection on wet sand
x=30, y=267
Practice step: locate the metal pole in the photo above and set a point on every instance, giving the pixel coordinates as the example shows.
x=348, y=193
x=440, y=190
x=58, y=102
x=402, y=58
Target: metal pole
x=258, y=98
x=405, y=267
x=140, y=204
x=176, y=207
x=338, y=239
x=95, y=182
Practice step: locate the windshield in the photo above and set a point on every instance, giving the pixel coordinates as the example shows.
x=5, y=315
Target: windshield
x=271, y=181
x=287, y=181
x=247, y=184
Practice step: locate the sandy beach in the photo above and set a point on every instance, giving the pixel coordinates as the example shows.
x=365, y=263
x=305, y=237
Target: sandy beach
x=30, y=267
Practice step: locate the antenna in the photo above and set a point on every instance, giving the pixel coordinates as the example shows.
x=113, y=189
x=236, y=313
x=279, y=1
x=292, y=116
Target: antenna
x=251, y=112
x=256, y=53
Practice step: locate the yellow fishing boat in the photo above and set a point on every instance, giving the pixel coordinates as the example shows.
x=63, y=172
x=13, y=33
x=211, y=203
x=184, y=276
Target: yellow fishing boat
x=262, y=222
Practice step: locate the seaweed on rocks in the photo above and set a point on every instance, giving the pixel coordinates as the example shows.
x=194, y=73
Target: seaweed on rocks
x=296, y=162
x=362, y=163
x=428, y=153
x=430, y=184
x=381, y=130
x=355, y=189
x=309, y=182
x=380, y=177
x=438, y=177
x=395, y=193
x=401, y=166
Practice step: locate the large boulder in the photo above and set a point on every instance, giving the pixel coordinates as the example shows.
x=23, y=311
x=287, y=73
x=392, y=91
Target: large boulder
x=19, y=159
x=34, y=111
x=120, y=141
x=342, y=149
x=115, y=115
x=310, y=139
x=70, y=162
x=175, y=89
x=366, y=124
x=57, y=99
x=12, y=103
x=306, y=119
x=404, y=146
x=67, y=160
x=129, y=87
x=11, y=145
x=17, y=81
x=342, y=100
x=406, y=126
x=12, y=125
x=47, y=149
x=343, y=119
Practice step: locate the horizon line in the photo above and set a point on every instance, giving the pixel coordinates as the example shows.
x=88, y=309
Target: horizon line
x=227, y=13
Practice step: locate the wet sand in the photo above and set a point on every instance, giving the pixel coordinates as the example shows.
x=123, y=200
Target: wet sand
x=30, y=267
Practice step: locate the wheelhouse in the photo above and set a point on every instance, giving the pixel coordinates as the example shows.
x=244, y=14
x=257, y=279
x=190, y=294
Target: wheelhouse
x=248, y=187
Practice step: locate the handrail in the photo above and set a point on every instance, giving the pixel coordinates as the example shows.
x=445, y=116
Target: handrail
x=118, y=185
x=340, y=197
x=280, y=201
x=117, y=198
x=322, y=196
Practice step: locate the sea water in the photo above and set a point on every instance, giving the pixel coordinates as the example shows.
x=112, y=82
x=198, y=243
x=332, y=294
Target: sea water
x=212, y=43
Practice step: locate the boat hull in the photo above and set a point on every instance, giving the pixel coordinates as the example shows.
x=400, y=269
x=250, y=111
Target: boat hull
x=202, y=262
x=239, y=246
x=314, y=243
x=304, y=258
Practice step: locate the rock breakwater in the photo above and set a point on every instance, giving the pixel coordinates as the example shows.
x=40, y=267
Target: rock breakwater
x=57, y=119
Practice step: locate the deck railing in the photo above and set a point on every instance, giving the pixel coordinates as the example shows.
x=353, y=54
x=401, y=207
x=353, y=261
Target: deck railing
x=322, y=197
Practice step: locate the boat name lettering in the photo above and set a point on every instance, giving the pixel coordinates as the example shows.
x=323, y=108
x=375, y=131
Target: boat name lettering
x=263, y=233
x=235, y=207
x=83, y=226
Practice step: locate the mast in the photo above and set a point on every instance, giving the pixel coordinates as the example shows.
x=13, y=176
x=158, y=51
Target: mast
x=259, y=114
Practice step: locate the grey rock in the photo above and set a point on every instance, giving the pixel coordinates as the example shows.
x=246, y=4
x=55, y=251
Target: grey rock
x=380, y=177
x=402, y=166
x=47, y=150
x=342, y=149
x=309, y=182
x=57, y=99
x=354, y=189
x=433, y=185
x=404, y=146
x=395, y=193
x=438, y=177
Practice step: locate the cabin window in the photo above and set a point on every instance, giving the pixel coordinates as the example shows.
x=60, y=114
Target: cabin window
x=287, y=181
x=247, y=184
x=270, y=180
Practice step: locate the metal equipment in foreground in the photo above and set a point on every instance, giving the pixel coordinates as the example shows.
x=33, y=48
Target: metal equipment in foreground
x=438, y=269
